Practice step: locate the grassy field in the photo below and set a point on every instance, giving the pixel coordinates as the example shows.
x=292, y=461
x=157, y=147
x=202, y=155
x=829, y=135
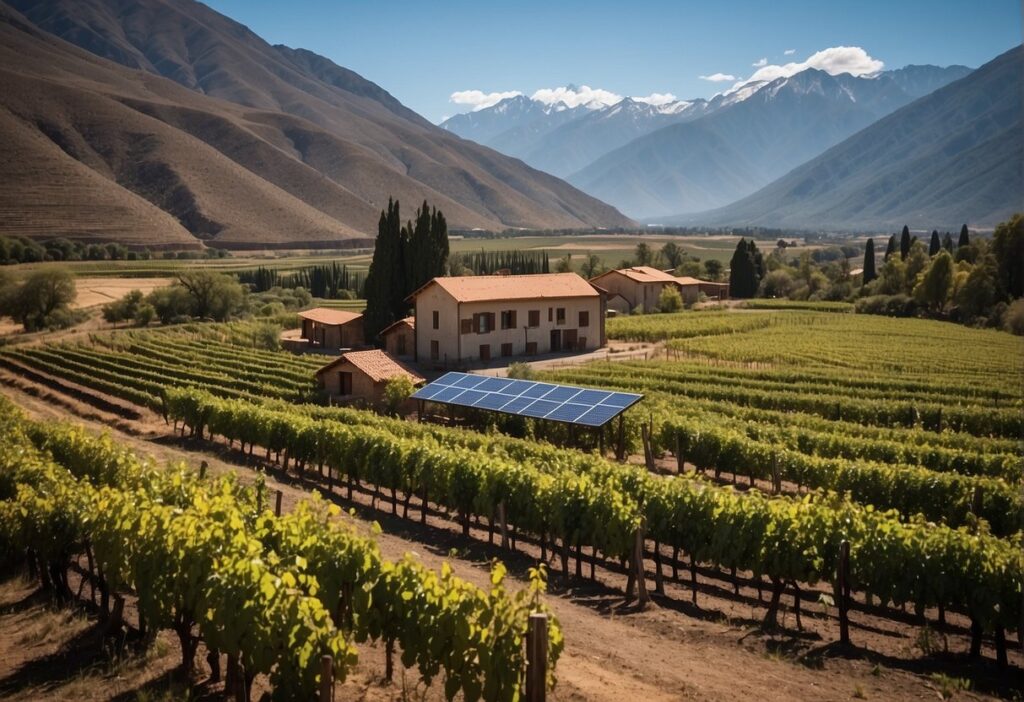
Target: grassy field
x=611, y=249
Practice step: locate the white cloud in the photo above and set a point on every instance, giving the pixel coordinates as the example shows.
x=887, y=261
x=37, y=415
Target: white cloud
x=834, y=60
x=478, y=100
x=571, y=96
x=657, y=99
x=760, y=62
x=789, y=52
x=718, y=77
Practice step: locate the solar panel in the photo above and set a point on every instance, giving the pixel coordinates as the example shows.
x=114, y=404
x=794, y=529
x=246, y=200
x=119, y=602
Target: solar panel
x=560, y=403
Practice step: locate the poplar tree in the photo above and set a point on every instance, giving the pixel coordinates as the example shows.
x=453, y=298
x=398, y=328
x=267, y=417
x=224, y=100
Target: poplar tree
x=385, y=281
x=905, y=242
x=947, y=242
x=745, y=270
x=965, y=237
x=869, y=262
x=935, y=245
x=890, y=248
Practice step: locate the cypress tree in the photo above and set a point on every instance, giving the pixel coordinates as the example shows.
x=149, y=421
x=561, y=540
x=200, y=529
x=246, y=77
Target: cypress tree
x=743, y=278
x=869, y=262
x=890, y=248
x=905, y=242
x=385, y=279
x=965, y=237
x=934, y=246
x=947, y=242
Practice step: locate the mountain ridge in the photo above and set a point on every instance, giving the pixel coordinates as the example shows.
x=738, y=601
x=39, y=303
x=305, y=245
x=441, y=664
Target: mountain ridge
x=309, y=151
x=955, y=155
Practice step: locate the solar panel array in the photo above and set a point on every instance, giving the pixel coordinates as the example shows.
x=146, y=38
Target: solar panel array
x=528, y=398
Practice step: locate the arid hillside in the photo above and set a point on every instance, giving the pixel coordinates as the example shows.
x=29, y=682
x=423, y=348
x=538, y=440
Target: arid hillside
x=173, y=125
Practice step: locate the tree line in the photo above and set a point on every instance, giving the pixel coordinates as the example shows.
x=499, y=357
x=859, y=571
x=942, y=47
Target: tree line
x=331, y=281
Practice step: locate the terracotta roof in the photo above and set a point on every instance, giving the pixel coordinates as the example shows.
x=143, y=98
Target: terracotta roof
x=481, y=288
x=687, y=280
x=411, y=321
x=325, y=315
x=376, y=364
x=643, y=274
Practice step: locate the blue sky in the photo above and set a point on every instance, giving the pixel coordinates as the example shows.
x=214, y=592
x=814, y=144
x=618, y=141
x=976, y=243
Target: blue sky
x=424, y=52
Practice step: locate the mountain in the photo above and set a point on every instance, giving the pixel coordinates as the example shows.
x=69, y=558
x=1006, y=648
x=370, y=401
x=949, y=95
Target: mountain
x=769, y=129
x=162, y=122
x=559, y=139
x=518, y=114
x=954, y=156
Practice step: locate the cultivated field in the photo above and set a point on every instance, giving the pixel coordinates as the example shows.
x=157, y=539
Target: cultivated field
x=774, y=437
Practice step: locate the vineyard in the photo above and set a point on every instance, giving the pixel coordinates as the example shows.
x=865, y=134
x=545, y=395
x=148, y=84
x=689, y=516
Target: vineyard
x=277, y=594
x=870, y=461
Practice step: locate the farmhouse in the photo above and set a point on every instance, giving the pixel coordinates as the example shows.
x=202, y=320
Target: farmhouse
x=639, y=286
x=399, y=338
x=361, y=375
x=331, y=330
x=478, y=318
x=691, y=288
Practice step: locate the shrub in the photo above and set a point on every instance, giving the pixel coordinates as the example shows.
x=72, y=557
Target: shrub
x=396, y=391
x=1013, y=319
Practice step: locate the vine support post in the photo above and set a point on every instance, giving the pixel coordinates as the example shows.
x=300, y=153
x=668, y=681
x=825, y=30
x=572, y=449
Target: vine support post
x=503, y=524
x=976, y=501
x=638, y=567
x=645, y=435
x=843, y=578
x=537, y=658
x=277, y=503
x=326, y=679
x=680, y=460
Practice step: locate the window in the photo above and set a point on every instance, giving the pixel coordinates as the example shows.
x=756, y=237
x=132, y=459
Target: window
x=551, y=312
x=437, y=319
x=506, y=349
x=485, y=352
x=508, y=319
x=483, y=322
x=531, y=348
x=467, y=326
x=534, y=318
x=560, y=315
x=584, y=318
x=435, y=350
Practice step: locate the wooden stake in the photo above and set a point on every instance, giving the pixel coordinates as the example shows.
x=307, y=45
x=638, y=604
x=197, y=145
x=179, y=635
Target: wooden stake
x=277, y=503
x=326, y=679
x=502, y=524
x=638, y=564
x=843, y=578
x=537, y=658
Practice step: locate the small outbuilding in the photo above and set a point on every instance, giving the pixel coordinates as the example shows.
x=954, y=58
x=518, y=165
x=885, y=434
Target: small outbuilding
x=639, y=286
x=325, y=329
x=361, y=375
x=399, y=338
x=691, y=289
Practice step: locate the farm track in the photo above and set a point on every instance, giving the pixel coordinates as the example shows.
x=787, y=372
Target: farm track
x=671, y=651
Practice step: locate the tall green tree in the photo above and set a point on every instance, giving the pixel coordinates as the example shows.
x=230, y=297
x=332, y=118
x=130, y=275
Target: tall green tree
x=933, y=289
x=947, y=242
x=935, y=244
x=744, y=270
x=385, y=281
x=869, y=262
x=673, y=254
x=1008, y=250
x=965, y=236
x=890, y=248
x=643, y=254
x=905, y=242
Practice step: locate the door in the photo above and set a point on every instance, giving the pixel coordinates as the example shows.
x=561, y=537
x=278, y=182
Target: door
x=485, y=352
x=556, y=340
x=570, y=339
x=345, y=383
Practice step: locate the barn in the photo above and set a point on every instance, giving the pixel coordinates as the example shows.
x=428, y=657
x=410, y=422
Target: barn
x=360, y=376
